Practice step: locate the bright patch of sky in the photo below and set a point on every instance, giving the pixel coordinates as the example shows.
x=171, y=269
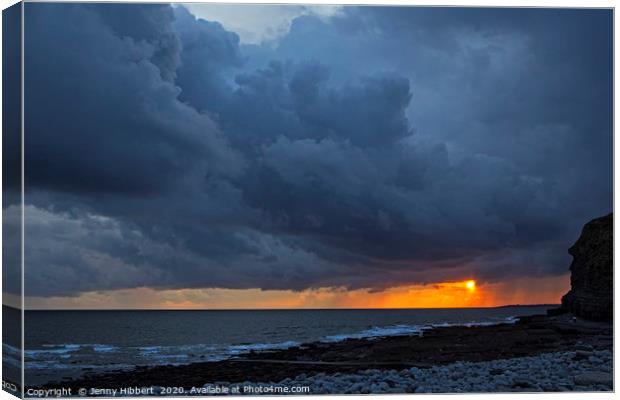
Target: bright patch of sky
x=258, y=23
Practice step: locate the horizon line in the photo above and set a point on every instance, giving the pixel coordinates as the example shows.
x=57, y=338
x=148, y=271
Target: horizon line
x=282, y=309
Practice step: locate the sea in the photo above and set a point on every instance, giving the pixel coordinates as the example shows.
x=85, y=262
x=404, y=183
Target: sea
x=67, y=344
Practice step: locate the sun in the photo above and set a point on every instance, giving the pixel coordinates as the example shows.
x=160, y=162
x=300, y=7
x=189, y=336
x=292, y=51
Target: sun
x=471, y=284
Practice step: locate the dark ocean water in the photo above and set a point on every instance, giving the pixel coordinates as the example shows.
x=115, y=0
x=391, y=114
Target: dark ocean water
x=69, y=343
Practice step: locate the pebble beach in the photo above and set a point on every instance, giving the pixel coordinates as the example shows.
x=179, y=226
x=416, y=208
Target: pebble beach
x=581, y=370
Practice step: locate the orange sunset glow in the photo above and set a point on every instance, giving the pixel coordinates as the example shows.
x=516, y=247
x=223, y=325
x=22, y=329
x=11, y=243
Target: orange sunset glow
x=467, y=293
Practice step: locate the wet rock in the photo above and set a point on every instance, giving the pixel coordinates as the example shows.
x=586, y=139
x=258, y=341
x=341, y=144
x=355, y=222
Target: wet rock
x=523, y=383
x=584, y=347
x=582, y=355
x=594, y=378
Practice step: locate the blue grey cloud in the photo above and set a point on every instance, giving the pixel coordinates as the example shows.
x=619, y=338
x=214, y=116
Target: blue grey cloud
x=372, y=148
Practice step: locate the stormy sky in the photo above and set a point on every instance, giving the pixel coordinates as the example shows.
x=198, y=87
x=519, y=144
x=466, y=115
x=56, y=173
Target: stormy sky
x=355, y=147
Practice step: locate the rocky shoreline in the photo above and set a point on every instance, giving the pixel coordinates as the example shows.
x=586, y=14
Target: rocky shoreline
x=582, y=370
x=553, y=353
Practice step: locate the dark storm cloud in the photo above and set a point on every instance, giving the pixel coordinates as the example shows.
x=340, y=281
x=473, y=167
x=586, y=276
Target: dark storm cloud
x=151, y=24
x=209, y=53
x=375, y=109
x=161, y=154
x=295, y=100
x=101, y=118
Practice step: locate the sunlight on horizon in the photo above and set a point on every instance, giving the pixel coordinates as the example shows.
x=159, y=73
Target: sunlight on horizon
x=457, y=294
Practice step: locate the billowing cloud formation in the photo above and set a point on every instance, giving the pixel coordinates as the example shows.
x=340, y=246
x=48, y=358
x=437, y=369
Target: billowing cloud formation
x=257, y=23
x=102, y=113
x=373, y=148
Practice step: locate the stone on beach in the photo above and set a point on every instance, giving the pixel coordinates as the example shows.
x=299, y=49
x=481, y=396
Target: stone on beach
x=594, y=378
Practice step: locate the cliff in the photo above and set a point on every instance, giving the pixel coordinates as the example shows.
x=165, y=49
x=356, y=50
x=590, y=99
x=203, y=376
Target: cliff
x=591, y=294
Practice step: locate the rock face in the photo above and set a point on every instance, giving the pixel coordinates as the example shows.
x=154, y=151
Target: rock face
x=591, y=294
